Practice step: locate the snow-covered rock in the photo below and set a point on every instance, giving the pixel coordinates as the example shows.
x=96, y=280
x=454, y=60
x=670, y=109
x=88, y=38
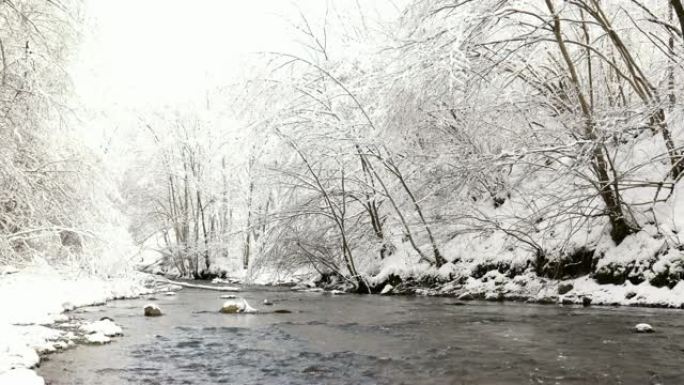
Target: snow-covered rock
x=228, y=296
x=238, y=305
x=97, y=338
x=267, y=302
x=152, y=310
x=104, y=326
x=643, y=328
x=387, y=289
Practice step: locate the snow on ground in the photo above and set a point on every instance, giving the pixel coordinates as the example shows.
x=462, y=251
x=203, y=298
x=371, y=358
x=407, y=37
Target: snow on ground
x=21, y=376
x=496, y=286
x=37, y=296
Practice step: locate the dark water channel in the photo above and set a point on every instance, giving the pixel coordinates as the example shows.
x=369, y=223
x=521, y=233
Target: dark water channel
x=355, y=339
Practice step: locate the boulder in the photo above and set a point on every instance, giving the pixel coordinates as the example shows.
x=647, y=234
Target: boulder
x=643, y=328
x=152, y=310
x=493, y=297
x=565, y=287
x=466, y=297
x=586, y=301
x=546, y=299
x=237, y=305
x=387, y=289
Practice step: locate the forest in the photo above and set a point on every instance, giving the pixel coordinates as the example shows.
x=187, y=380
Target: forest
x=430, y=141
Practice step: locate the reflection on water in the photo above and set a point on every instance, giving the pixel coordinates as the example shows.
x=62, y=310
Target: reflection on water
x=375, y=340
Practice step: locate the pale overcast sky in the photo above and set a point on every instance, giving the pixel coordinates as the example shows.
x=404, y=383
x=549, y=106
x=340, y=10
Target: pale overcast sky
x=152, y=52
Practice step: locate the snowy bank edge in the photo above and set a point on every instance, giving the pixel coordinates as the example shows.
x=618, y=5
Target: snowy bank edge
x=18, y=356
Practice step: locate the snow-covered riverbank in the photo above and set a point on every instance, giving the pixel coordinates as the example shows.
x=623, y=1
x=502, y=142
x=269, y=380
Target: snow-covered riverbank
x=36, y=297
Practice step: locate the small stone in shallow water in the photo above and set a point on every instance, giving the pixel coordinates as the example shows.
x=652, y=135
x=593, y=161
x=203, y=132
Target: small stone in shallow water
x=466, y=297
x=231, y=308
x=493, y=297
x=238, y=305
x=152, y=310
x=170, y=293
x=586, y=301
x=643, y=328
x=267, y=302
x=456, y=304
x=282, y=311
x=228, y=296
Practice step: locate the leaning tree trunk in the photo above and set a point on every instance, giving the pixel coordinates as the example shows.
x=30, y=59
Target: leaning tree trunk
x=608, y=191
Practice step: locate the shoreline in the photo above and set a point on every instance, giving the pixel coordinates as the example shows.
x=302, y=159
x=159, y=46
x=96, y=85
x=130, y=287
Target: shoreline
x=34, y=332
x=528, y=288
x=39, y=323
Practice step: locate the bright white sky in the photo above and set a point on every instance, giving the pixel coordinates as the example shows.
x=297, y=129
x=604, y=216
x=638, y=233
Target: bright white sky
x=149, y=52
x=140, y=56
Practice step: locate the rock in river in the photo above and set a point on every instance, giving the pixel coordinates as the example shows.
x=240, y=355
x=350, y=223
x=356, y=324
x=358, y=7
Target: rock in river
x=104, y=326
x=387, y=289
x=152, y=310
x=643, y=328
x=237, y=305
x=466, y=297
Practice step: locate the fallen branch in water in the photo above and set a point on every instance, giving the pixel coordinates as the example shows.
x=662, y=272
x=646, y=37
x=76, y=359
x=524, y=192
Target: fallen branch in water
x=195, y=286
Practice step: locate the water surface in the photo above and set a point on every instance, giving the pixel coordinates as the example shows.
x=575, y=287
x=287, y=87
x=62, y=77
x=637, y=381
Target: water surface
x=355, y=339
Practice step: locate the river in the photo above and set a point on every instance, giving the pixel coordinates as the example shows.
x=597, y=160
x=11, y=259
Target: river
x=361, y=339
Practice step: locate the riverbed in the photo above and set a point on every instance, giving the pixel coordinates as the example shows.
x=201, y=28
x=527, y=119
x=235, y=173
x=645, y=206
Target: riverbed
x=362, y=339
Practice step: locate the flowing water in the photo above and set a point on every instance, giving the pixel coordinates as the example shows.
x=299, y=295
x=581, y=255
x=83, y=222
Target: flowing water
x=354, y=339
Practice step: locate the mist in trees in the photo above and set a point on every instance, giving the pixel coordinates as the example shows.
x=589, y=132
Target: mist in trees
x=424, y=136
